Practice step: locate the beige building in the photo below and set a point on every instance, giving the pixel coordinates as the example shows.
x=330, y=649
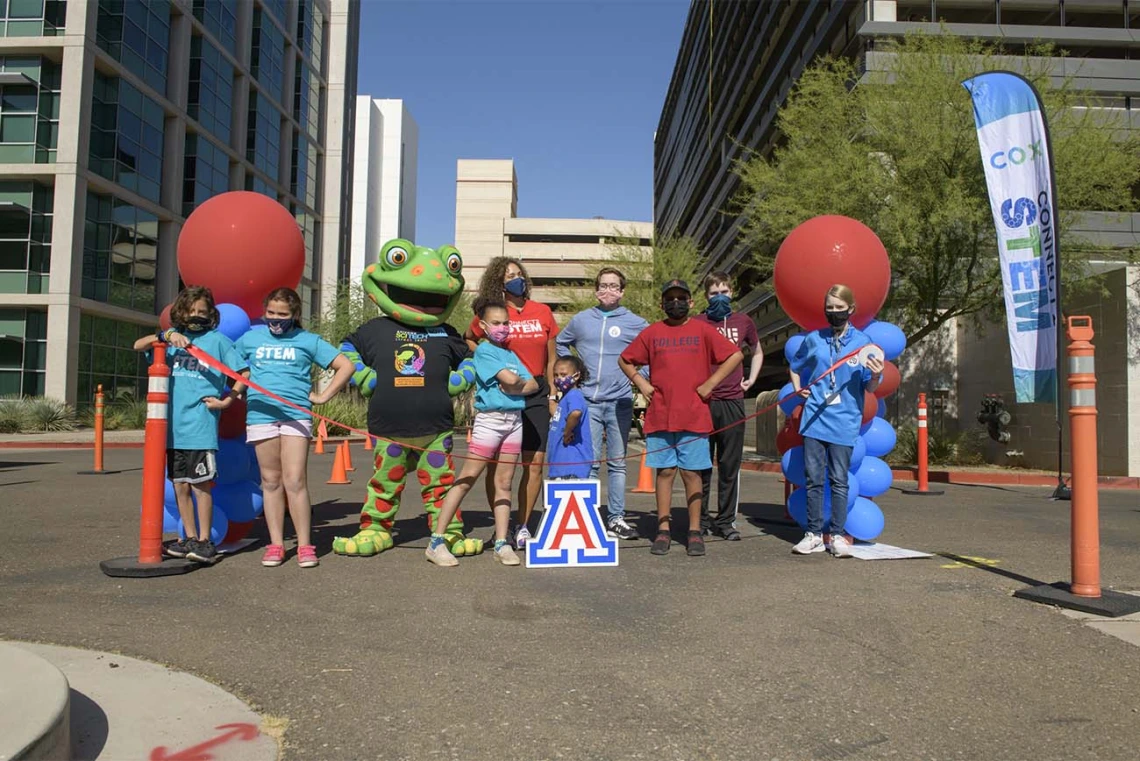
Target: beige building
x=557, y=252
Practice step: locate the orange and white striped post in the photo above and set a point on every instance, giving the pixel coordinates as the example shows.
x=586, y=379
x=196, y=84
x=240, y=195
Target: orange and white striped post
x=98, y=470
x=149, y=561
x=1085, y=506
x=923, y=448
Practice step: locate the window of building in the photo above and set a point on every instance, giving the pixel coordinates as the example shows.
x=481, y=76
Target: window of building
x=137, y=35
x=307, y=100
x=914, y=10
x=1102, y=14
x=267, y=56
x=219, y=19
x=29, y=112
x=1025, y=12
x=25, y=236
x=23, y=351
x=32, y=18
x=211, y=93
x=126, y=136
x=310, y=231
x=277, y=8
x=120, y=245
x=304, y=175
x=107, y=357
x=311, y=32
x=263, y=138
x=206, y=172
x=254, y=183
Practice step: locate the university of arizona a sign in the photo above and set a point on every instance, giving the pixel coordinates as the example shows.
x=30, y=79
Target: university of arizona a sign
x=571, y=534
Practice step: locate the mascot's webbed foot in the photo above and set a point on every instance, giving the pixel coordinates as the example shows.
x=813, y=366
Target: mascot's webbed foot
x=462, y=546
x=368, y=542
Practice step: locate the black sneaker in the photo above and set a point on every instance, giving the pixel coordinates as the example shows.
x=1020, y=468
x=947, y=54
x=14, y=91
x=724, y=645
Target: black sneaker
x=179, y=548
x=661, y=544
x=731, y=535
x=696, y=544
x=622, y=530
x=203, y=552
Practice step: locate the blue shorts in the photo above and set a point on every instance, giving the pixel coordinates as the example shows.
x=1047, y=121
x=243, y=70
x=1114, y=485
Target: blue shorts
x=692, y=454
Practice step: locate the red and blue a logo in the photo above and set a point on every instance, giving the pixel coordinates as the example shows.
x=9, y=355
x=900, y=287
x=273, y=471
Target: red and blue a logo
x=571, y=534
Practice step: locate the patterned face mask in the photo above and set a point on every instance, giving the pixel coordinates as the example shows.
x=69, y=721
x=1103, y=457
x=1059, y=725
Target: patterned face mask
x=279, y=327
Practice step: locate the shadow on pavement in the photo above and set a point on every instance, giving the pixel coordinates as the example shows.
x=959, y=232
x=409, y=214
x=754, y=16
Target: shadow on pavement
x=991, y=569
x=89, y=727
x=772, y=520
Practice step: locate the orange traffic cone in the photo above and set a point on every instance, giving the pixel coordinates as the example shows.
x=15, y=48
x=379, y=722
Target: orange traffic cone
x=348, y=457
x=369, y=444
x=339, y=476
x=644, y=479
x=468, y=434
x=323, y=430
x=320, y=448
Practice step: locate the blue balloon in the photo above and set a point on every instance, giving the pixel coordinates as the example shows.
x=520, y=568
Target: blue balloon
x=792, y=345
x=880, y=437
x=797, y=507
x=235, y=501
x=254, y=468
x=866, y=426
x=858, y=452
x=219, y=525
x=257, y=499
x=882, y=410
x=792, y=464
x=852, y=489
x=875, y=477
x=170, y=523
x=889, y=337
x=233, y=461
x=234, y=321
x=169, y=501
x=789, y=405
x=865, y=520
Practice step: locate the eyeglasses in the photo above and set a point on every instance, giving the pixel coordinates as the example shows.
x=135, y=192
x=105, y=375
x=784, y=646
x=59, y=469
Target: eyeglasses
x=610, y=287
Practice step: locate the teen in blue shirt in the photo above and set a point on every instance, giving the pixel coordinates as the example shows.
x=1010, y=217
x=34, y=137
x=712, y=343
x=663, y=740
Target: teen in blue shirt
x=570, y=452
x=832, y=414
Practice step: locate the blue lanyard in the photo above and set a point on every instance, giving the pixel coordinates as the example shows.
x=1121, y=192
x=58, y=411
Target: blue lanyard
x=833, y=345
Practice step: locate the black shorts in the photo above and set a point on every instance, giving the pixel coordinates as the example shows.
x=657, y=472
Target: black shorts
x=536, y=419
x=191, y=466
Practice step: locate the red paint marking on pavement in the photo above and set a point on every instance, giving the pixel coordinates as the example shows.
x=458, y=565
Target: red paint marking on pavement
x=243, y=732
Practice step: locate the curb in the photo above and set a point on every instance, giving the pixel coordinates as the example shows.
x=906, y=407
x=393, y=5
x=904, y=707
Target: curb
x=36, y=715
x=975, y=478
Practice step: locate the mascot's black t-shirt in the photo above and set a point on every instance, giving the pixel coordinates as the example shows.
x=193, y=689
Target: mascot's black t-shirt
x=412, y=367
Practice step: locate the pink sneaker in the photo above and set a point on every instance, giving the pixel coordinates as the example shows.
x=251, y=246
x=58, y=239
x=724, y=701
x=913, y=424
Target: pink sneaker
x=307, y=556
x=274, y=556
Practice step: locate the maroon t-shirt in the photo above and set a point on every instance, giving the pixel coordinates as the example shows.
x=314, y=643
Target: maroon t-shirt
x=739, y=329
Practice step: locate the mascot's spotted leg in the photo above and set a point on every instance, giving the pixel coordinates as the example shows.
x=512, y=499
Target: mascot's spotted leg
x=410, y=364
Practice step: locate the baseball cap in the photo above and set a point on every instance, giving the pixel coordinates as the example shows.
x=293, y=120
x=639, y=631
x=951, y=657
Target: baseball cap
x=681, y=284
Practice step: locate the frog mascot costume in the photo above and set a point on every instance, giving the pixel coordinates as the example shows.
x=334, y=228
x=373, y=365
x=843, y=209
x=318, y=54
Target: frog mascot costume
x=409, y=364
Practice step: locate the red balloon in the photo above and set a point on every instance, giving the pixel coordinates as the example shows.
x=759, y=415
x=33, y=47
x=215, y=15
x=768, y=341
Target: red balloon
x=870, y=406
x=237, y=531
x=241, y=245
x=890, y=382
x=164, y=318
x=825, y=251
x=789, y=437
x=232, y=423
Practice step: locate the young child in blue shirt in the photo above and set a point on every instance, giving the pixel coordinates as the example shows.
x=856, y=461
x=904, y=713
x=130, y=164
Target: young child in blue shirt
x=197, y=398
x=502, y=384
x=280, y=358
x=570, y=451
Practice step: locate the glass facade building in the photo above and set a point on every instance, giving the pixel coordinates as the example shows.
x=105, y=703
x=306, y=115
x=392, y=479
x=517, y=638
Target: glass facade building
x=165, y=105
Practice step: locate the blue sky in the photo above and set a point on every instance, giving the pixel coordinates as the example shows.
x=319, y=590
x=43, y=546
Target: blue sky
x=570, y=89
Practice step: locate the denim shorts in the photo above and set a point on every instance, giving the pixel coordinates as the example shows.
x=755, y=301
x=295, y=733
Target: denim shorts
x=677, y=449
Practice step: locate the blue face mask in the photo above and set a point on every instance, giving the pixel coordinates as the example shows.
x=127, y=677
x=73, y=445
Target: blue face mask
x=516, y=287
x=280, y=327
x=720, y=307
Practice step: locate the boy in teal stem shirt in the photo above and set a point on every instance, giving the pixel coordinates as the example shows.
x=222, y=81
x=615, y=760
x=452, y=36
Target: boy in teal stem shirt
x=679, y=352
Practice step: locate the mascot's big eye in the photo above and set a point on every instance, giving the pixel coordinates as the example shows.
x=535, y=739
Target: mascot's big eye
x=396, y=257
x=454, y=263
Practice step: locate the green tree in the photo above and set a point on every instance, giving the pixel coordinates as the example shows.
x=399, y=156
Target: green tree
x=645, y=269
x=898, y=151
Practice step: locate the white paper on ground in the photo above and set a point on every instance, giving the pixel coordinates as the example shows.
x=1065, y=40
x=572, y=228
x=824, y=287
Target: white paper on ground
x=233, y=547
x=876, y=551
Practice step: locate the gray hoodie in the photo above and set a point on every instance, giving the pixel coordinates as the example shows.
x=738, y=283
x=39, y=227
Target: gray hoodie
x=599, y=337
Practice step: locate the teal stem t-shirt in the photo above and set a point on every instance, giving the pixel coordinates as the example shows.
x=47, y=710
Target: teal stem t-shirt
x=284, y=365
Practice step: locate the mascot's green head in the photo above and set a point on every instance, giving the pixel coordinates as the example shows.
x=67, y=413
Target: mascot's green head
x=415, y=285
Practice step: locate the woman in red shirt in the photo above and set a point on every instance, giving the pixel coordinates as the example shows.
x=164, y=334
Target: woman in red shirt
x=533, y=329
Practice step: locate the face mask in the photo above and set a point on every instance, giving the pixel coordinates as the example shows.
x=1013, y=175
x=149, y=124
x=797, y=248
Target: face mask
x=608, y=299
x=279, y=327
x=720, y=306
x=676, y=309
x=516, y=287
x=197, y=324
x=564, y=384
x=497, y=333
x=837, y=319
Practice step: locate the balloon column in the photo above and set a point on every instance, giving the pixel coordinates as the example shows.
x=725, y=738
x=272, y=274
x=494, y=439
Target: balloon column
x=819, y=253
x=240, y=245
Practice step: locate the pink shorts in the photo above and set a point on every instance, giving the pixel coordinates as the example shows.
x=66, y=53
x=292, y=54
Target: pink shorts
x=266, y=431
x=496, y=433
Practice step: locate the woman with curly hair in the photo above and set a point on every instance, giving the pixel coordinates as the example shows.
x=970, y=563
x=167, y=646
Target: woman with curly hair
x=533, y=329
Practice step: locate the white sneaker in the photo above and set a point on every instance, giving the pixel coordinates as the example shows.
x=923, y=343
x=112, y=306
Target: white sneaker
x=809, y=544
x=506, y=555
x=522, y=536
x=441, y=556
x=840, y=547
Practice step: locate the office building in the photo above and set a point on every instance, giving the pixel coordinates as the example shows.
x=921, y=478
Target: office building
x=384, y=161
x=119, y=117
x=559, y=254
x=715, y=112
